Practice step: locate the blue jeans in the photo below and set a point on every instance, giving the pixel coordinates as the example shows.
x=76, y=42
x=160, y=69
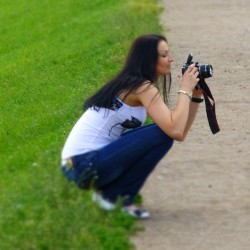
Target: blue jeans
x=121, y=168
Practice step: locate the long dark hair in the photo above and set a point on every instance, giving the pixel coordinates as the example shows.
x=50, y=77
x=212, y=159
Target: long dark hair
x=140, y=67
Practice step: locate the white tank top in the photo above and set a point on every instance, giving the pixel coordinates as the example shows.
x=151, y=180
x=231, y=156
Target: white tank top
x=96, y=129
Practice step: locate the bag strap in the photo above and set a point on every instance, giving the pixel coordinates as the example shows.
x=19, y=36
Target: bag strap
x=210, y=106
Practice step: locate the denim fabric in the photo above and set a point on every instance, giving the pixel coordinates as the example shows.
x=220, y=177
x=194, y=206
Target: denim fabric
x=81, y=171
x=121, y=168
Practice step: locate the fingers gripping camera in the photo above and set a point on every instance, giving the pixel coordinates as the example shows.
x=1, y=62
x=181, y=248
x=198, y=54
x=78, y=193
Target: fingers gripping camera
x=205, y=71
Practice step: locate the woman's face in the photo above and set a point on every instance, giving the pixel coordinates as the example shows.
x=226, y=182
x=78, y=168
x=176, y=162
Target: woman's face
x=163, y=66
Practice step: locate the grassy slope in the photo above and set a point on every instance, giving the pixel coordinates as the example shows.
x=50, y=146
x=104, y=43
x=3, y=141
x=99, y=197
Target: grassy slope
x=53, y=54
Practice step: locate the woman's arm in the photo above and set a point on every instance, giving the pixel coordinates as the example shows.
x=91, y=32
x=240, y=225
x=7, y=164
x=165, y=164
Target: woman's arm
x=176, y=123
x=193, y=108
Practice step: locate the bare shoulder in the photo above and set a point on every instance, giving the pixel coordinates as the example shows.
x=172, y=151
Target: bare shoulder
x=147, y=93
x=142, y=96
x=146, y=86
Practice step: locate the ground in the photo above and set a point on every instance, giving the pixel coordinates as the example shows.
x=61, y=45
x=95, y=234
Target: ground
x=199, y=195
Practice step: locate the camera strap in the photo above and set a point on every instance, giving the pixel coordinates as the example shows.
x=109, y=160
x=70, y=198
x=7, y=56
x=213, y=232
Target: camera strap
x=210, y=106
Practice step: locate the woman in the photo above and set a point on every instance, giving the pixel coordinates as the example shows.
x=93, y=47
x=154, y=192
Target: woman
x=108, y=149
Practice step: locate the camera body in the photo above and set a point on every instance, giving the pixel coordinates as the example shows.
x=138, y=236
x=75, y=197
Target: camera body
x=205, y=70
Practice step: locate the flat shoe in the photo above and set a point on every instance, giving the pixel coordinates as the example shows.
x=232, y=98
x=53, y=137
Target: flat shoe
x=138, y=213
x=104, y=204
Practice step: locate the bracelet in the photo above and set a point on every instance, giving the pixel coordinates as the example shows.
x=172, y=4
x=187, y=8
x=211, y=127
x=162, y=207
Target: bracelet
x=192, y=99
x=185, y=93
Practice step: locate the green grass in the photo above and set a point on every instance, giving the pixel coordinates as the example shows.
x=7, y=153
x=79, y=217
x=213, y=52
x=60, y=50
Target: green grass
x=53, y=55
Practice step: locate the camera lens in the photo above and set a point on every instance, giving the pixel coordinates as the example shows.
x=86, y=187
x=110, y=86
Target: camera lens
x=206, y=70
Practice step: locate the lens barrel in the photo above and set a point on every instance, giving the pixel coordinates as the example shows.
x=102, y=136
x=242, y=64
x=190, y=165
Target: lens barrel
x=205, y=71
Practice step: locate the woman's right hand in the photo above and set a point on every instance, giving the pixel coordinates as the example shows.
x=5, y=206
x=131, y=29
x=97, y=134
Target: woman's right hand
x=189, y=79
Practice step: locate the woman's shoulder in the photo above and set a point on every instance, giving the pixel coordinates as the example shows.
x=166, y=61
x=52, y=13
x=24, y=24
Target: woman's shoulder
x=135, y=98
x=146, y=86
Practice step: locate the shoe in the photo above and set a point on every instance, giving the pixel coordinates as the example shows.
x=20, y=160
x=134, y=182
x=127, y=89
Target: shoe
x=139, y=213
x=104, y=204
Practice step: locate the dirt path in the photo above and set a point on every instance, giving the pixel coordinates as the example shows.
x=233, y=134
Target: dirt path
x=199, y=196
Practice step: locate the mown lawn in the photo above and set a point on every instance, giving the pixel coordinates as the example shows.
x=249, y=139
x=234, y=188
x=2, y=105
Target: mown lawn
x=53, y=55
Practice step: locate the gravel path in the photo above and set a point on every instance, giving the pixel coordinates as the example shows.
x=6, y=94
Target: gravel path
x=199, y=195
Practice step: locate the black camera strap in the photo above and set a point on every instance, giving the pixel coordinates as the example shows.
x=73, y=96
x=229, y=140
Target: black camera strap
x=210, y=106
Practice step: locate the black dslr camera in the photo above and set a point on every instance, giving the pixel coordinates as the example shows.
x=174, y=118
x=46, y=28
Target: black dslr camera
x=205, y=71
